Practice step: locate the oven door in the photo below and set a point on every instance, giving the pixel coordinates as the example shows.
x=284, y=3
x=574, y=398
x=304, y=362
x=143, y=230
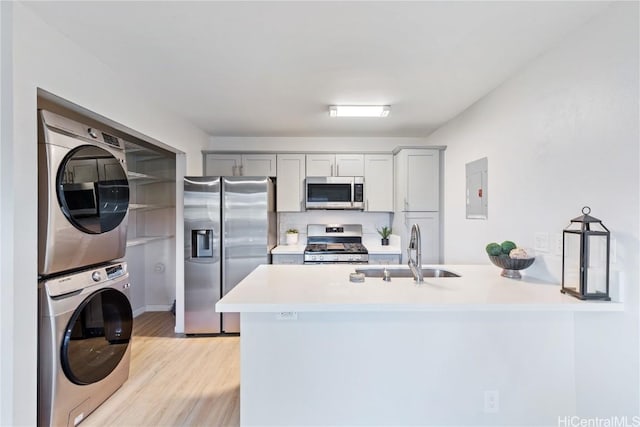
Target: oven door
x=330, y=192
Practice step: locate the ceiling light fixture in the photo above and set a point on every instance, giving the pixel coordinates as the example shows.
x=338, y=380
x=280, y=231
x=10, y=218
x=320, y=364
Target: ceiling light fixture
x=359, y=110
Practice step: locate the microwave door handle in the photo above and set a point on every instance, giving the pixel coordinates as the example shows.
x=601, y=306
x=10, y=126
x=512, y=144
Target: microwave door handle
x=353, y=194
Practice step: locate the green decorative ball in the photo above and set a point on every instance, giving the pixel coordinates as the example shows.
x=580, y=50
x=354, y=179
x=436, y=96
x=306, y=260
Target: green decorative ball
x=507, y=246
x=494, y=249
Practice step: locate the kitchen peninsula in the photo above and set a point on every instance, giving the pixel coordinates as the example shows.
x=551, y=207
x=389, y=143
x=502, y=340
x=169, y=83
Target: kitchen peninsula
x=318, y=349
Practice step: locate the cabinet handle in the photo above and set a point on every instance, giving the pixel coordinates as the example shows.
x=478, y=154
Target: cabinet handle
x=338, y=169
x=233, y=170
x=331, y=170
x=241, y=170
x=406, y=204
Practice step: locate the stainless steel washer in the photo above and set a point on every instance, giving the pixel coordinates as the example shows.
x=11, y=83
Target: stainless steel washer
x=85, y=327
x=83, y=195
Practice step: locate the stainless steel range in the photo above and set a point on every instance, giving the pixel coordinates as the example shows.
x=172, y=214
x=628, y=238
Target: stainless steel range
x=335, y=243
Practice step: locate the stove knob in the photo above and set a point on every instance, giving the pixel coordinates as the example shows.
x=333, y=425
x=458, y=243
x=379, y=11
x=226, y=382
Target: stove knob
x=357, y=257
x=96, y=277
x=321, y=257
x=313, y=257
x=351, y=258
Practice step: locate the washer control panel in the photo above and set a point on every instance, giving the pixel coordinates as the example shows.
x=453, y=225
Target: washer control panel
x=75, y=282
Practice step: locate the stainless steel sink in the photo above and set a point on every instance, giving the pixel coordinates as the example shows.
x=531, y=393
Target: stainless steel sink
x=404, y=272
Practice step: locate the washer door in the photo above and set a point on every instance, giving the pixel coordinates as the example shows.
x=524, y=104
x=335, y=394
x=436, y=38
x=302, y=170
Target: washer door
x=97, y=336
x=93, y=190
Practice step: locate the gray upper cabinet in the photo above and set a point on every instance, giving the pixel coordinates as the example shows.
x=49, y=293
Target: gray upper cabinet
x=258, y=165
x=290, y=182
x=222, y=164
x=240, y=164
x=349, y=165
x=417, y=180
x=321, y=164
x=335, y=165
x=378, y=182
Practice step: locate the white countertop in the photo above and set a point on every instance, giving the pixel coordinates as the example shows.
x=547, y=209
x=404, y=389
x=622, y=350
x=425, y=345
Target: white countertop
x=374, y=247
x=288, y=249
x=326, y=288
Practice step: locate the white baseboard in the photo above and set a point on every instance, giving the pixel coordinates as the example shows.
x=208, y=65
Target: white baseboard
x=162, y=307
x=138, y=311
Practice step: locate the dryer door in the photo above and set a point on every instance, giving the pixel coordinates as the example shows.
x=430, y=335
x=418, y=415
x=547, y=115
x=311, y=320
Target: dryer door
x=97, y=336
x=93, y=190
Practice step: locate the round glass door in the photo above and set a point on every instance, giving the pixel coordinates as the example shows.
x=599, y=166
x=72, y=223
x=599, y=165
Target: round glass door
x=93, y=190
x=97, y=336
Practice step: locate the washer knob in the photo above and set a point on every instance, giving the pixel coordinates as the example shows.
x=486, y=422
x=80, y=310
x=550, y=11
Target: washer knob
x=96, y=276
x=92, y=133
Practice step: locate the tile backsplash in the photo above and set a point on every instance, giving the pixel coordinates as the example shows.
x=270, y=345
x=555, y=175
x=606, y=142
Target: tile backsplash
x=370, y=221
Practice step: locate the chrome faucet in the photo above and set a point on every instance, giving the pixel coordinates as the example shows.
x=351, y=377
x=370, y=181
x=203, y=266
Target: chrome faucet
x=415, y=244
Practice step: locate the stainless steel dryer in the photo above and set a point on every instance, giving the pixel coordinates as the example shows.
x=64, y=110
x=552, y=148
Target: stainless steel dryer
x=85, y=326
x=83, y=195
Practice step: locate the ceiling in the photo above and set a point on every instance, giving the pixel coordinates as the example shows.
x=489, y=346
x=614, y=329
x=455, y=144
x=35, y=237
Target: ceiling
x=273, y=68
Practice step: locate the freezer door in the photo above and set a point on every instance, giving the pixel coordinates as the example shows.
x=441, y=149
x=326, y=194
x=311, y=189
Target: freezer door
x=202, y=254
x=248, y=229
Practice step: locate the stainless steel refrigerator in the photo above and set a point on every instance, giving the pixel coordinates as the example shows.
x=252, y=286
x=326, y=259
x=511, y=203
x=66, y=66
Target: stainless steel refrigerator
x=229, y=229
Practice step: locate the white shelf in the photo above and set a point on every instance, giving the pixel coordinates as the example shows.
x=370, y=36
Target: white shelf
x=141, y=154
x=143, y=179
x=137, y=241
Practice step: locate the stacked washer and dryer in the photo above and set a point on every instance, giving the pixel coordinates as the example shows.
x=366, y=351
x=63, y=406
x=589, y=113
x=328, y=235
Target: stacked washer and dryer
x=85, y=315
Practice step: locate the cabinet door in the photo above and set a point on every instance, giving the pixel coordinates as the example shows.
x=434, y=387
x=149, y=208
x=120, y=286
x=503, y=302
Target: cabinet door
x=349, y=165
x=287, y=259
x=290, y=181
x=378, y=182
x=384, y=259
x=258, y=165
x=320, y=164
x=429, y=223
x=417, y=183
x=222, y=164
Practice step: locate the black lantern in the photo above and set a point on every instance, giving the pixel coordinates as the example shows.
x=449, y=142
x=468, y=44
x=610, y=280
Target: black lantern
x=585, y=258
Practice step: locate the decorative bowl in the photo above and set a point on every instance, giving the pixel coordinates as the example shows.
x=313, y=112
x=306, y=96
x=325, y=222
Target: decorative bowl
x=510, y=266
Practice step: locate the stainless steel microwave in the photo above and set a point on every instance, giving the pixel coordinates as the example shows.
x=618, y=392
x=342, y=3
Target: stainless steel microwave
x=335, y=192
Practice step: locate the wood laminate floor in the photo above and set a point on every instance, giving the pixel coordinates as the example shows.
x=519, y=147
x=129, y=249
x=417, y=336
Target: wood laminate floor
x=175, y=381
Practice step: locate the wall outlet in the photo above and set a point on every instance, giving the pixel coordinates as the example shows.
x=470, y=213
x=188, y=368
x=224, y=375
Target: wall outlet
x=491, y=401
x=557, y=244
x=541, y=242
x=287, y=315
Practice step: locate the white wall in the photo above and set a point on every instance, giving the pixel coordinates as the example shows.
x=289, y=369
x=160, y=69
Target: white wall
x=370, y=221
x=308, y=144
x=6, y=216
x=43, y=58
x=561, y=134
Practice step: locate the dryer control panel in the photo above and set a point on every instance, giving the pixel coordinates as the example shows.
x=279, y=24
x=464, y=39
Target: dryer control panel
x=115, y=271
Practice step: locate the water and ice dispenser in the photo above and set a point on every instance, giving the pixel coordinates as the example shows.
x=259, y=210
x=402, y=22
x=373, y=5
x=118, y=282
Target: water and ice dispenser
x=202, y=243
